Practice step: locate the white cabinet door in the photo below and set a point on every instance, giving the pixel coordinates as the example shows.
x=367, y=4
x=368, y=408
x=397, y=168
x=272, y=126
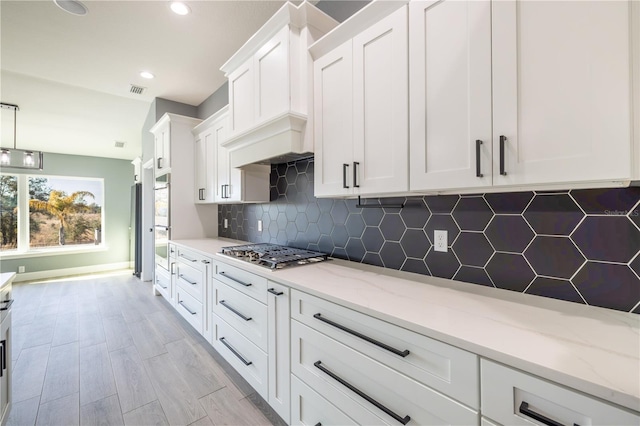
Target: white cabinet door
x=561, y=91
x=163, y=150
x=333, y=113
x=279, y=350
x=450, y=96
x=380, y=107
x=241, y=98
x=202, y=186
x=271, y=76
x=5, y=369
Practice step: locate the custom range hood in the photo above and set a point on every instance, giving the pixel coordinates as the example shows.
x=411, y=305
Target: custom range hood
x=270, y=88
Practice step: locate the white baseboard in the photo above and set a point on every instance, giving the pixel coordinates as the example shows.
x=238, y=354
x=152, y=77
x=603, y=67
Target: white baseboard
x=64, y=272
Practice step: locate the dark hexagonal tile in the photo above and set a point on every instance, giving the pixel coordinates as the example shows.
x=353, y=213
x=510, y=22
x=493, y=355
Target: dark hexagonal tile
x=313, y=247
x=273, y=229
x=298, y=198
x=234, y=225
x=281, y=238
x=281, y=185
x=392, y=255
x=339, y=211
x=273, y=177
x=234, y=210
x=555, y=214
x=441, y=264
x=325, y=244
x=554, y=257
x=339, y=253
x=634, y=215
x=301, y=222
x=473, y=275
x=616, y=201
x=372, y=239
x=291, y=212
x=273, y=193
x=281, y=206
x=442, y=222
x=301, y=166
x=441, y=203
x=472, y=214
x=355, y=249
x=472, y=249
x=393, y=204
x=510, y=271
x=607, y=238
x=415, y=243
x=392, y=227
x=325, y=204
x=417, y=266
x=282, y=220
x=313, y=212
x=302, y=182
x=372, y=259
x=325, y=223
x=635, y=265
x=608, y=285
x=339, y=235
x=313, y=233
x=415, y=213
x=509, y=233
x=291, y=231
x=509, y=203
x=556, y=289
x=291, y=174
x=273, y=212
x=372, y=217
x=281, y=169
x=355, y=225
x=351, y=206
x=266, y=220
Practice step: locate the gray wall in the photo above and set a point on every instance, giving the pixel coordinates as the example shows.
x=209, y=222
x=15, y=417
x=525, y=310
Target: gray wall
x=213, y=103
x=118, y=178
x=340, y=10
x=159, y=106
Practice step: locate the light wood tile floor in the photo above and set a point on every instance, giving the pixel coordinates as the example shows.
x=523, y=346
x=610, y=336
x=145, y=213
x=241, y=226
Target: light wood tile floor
x=103, y=350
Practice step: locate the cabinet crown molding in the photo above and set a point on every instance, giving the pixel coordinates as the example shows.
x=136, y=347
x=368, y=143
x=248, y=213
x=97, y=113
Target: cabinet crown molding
x=168, y=117
x=211, y=119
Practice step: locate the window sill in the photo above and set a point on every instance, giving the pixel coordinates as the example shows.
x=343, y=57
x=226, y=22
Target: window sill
x=52, y=252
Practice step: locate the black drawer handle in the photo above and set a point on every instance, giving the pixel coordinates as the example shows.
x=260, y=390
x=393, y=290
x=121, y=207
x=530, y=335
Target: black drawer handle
x=224, y=274
x=160, y=162
x=318, y=424
x=1, y=361
x=4, y=354
x=363, y=337
x=188, y=258
x=7, y=306
x=344, y=176
x=355, y=174
x=222, y=302
x=404, y=420
x=233, y=351
x=274, y=291
x=503, y=141
x=206, y=262
x=524, y=409
x=190, y=282
x=478, y=168
x=187, y=308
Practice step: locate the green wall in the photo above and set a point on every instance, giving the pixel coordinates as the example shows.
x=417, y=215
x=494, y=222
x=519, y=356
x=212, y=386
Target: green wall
x=118, y=178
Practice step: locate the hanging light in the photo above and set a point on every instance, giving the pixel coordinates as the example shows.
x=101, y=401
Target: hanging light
x=17, y=158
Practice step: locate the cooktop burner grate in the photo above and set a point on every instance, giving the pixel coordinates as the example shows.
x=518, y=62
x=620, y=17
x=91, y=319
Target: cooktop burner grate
x=273, y=256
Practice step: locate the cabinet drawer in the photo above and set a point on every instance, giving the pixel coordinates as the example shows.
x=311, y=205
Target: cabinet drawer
x=246, y=282
x=192, y=258
x=172, y=251
x=189, y=308
x=512, y=397
x=6, y=300
x=244, y=356
x=191, y=279
x=450, y=370
x=242, y=312
x=339, y=373
x=309, y=408
x=163, y=283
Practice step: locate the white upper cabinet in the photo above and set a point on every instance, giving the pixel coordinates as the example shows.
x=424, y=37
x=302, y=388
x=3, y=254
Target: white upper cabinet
x=205, y=164
x=521, y=94
x=269, y=87
x=361, y=106
x=162, y=148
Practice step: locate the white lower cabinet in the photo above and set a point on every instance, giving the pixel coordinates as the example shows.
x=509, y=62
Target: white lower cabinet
x=366, y=390
x=309, y=408
x=279, y=349
x=163, y=283
x=512, y=397
x=190, y=308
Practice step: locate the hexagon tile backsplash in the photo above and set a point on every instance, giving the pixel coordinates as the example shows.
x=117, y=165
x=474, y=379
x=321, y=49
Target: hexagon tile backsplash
x=581, y=245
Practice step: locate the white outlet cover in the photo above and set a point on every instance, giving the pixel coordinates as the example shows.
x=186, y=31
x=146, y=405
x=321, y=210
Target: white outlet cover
x=440, y=241
x=226, y=223
x=259, y=225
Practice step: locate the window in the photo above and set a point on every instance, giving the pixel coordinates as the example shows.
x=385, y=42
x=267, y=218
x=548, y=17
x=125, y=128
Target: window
x=43, y=213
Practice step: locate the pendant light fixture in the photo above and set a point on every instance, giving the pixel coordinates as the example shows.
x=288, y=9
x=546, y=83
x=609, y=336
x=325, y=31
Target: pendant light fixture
x=19, y=158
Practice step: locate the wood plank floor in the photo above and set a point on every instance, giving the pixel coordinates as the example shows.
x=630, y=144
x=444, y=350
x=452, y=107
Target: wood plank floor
x=102, y=350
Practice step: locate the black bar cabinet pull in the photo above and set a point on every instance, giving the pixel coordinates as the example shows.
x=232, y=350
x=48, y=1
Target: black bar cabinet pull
x=223, y=303
x=355, y=174
x=206, y=262
x=478, y=171
x=274, y=291
x=187, y=308
x=236, y=353
x=190, y=282
x=188, y=258
x=318, y=424
x=362, y=336
x=503, y=140
x=1, y=361
x=524, y=409
x=360, y=205
x=224, y=274
x=344, y=175
x=4, y=354
x=404, y=420
x=7, y=306
x=159, y=162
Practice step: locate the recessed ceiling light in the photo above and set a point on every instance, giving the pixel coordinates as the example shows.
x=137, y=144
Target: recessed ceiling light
x=180, y=8
x=72, y=6
x=146, y=74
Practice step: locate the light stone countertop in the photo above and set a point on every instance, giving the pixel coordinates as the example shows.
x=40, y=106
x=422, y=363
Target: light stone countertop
x=6, y=278
x=591, y=349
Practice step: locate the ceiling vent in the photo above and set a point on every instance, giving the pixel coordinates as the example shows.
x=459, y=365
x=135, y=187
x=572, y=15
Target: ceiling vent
x=138, y=90
x=119, y=144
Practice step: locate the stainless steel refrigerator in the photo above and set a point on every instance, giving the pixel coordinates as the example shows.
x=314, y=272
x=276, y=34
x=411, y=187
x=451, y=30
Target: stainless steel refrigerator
x=135, y=229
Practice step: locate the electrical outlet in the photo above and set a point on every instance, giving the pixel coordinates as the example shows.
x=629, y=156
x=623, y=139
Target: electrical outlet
x=440, y=241
x=21, y=269
x=226, y=223
x=259, y=225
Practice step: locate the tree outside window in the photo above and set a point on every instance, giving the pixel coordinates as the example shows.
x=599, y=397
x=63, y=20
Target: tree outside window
x=8, y=212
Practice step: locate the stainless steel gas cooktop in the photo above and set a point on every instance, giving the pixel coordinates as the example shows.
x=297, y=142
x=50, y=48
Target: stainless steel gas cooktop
x=273, y=256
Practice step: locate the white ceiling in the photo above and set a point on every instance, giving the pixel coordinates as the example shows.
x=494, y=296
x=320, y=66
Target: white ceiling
x=70, y=75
